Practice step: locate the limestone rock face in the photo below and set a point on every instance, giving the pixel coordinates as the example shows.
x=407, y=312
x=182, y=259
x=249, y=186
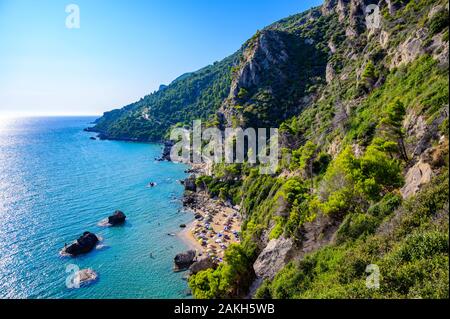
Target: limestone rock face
x=202, y=264
x=417, y=176
x=268, y=52
x=328, y=7
x=330, y=74
x=275, y=256
x=268, y=68
x=409, y=50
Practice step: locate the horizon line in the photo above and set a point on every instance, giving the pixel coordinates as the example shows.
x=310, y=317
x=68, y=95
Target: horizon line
x=26, y=114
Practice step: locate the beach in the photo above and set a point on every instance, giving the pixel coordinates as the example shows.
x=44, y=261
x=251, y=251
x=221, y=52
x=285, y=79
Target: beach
x=216, y=225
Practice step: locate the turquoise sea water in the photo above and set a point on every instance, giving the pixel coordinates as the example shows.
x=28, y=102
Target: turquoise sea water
x=56, y=183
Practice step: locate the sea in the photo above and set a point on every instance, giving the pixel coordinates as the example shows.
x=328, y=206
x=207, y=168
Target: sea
x=56, y=183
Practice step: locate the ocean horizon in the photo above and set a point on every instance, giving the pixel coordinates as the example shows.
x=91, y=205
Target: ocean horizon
x=56, y=182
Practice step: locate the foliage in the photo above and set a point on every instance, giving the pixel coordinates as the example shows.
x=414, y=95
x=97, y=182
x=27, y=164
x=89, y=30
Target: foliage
x=351, y=183
x=439, y=21
x=412, y=257
x=227, y=280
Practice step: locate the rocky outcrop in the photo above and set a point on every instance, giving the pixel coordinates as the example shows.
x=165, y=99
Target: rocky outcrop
x=86, y=276
x=83, y=245
x=275, y=256
x=410, y=49
x=417, y=176
x=393, y=6
x=328, y=7
x=428, y=165
x=184, y=260
x=266, y=69
x=189, y=184
x=267, y=51
x=330, y=74
x=166, y=151
x=117, y=218
x=201, y=264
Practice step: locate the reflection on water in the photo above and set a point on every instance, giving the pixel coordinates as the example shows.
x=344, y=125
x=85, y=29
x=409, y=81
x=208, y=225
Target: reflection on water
x=56, y=183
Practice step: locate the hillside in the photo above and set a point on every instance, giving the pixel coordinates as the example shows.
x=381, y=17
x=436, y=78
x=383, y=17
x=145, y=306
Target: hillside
x=363, y=178
x=190, y=96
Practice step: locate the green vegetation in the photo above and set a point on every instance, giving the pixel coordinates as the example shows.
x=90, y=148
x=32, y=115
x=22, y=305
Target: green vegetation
x=348, y=140
x=439, y=21
x=192, y=96
x=410, y=249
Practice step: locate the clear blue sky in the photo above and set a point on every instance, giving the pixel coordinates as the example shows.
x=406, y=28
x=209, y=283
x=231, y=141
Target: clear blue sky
x=122, y=51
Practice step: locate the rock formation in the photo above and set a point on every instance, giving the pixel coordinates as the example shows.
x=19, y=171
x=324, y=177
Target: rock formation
x=83, y=245
x=117, y=218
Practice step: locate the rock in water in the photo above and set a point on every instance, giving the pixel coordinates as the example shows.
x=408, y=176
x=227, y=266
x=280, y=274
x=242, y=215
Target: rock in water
x=83, y=245
x=189, y=184
x=166, y=151
x=117, y=218
x=86, y=276
x=184, y=260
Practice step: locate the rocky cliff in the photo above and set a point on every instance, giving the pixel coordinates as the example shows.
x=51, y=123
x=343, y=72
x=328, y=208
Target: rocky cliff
x=359, y=92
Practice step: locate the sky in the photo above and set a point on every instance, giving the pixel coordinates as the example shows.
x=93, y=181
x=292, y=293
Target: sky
x=121, y=51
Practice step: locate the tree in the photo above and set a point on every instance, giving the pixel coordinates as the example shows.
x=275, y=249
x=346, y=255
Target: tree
x=303, y=159
x=391, y=126
x=369, y=75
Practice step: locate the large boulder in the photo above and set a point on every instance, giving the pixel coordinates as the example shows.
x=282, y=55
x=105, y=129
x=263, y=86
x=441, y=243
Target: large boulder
x=166, y=151
x=275, y=256
x=417, y=176
x=86, y=276
x=184, y=260
x=83, y=245
x=117, y=218
x=189, y=184
x=202, y=264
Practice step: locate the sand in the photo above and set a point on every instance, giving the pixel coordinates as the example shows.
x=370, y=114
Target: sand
x=220, y=213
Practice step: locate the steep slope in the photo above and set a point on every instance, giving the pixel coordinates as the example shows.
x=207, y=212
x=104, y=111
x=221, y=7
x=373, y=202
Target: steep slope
x=271, y=78
x=353, y=190
x=362, y=110
x=190, y=96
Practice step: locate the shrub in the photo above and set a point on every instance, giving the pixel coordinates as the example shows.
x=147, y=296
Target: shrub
x=439, y=21
x=356, y=225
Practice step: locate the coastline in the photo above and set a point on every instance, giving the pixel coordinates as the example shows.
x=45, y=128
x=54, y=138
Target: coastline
x=186, y=237
x=217, y=224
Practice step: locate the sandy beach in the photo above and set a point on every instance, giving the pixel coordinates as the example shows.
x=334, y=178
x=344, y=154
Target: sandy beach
x=216, y=226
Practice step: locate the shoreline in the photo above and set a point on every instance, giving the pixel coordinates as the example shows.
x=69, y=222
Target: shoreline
x=186, y=237
x=215, y=225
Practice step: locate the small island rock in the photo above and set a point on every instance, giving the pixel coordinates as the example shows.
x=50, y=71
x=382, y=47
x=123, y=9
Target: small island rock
x=83, y=245
x=117, y=218
x=86, y=276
